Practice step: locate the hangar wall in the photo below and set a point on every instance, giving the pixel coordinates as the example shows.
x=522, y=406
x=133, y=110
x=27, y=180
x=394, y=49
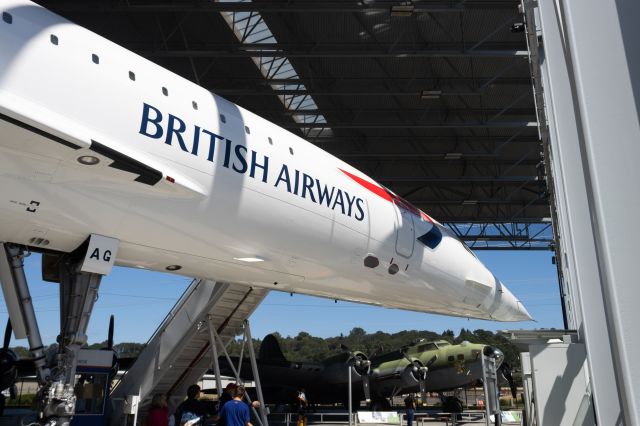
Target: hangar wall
x=588, y=59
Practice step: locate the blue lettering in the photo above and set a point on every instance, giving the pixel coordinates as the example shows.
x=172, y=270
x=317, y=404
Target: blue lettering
x=295, y=182
x=307, y=184
x=360, y=213
x=349, y=202
x=323, y=194
x=146, y=119
x=241, y=157
x=255, y=164
x=171, y=130
x=212, y=144
x=227, y=153
x=196, y=141
x=338, y=200
x=284, y=177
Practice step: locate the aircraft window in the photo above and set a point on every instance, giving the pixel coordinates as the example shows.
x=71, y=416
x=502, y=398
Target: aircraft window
x=270, y=141
x=246, y=129
x=223, y=118
x=132, y=76
x=290, y=150
x=427, y=347
x=95, y=58
x=194, y=104
x=54, y=39
x=451, y=358
x=6, y=17
x=460, y=356
x=432, y=238
x=165, y=91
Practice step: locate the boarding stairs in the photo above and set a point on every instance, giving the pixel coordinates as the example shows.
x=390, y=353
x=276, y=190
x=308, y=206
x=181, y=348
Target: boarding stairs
x=179, y=352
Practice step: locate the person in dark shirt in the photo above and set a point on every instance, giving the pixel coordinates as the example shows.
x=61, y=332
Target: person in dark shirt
x=410, y=406
x=191, y=407
x=236, y=412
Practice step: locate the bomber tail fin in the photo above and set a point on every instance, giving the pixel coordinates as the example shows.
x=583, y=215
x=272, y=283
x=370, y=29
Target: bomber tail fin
x=270, y=349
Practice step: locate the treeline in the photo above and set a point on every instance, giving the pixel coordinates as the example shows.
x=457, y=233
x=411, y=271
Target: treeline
x=124, y=350
x=306, y=348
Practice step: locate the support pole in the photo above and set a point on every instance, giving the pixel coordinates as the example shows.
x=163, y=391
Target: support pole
x=350, y=395
x=214, y=354
x=236, y=373
x=256, y=376
x=14, y=256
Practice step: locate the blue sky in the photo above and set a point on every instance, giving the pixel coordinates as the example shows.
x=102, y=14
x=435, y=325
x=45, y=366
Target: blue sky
x=141, y=299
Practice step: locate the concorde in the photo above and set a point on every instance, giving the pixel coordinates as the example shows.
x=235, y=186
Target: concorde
x=98, y=141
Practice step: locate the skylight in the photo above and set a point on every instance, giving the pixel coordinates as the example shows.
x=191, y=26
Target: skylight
x=250, y=28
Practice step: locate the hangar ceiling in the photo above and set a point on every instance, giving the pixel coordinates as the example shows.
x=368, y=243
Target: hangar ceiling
x=433, y=99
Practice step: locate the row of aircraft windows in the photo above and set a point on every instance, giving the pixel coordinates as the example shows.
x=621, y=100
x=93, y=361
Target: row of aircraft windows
x=8, y=18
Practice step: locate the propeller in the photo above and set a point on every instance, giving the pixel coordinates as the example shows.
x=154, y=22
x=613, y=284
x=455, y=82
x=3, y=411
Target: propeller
x=362, y=366
x=110, y=335
x=7, y=335
x=419, y=371
x=505, y=369
x=8, y=360
x=115, y=364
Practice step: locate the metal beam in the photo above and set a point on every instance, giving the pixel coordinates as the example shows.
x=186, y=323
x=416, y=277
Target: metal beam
x=282, y=6
x=425, y=139
x=436, y=157
x=435, y=111
x=466, y=125
x=336, y=92
x=349, y=81
x=460, y=180
x=487, y=202
x=504, y=235
x=256, y=51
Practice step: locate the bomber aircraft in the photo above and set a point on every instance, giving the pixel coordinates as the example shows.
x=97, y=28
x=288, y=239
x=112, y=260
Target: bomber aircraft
x=422, y=366
x=108, y=159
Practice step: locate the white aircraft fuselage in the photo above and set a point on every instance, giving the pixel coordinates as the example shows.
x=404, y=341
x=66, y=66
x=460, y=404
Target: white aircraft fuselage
x=186, y=179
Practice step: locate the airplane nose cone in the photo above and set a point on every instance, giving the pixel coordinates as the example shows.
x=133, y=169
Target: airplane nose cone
x=511, y=308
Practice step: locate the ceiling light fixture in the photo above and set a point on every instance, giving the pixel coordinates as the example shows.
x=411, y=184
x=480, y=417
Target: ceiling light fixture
x=403, y=9
x=249, y=259
x=430, y=94
x=453, y=156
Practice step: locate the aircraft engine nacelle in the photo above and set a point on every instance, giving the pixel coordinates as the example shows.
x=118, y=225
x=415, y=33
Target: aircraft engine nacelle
x=361, y=364
x=411, y=374
x=8, y=369
x=338, y=366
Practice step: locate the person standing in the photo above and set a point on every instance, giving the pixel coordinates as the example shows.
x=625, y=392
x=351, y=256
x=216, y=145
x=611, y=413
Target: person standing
x=191, y=411
x=303, y=403
x=159, y=413
x=236, y=412
x=410, y=408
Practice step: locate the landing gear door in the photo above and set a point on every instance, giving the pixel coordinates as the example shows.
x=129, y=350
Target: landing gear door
x=406, y=232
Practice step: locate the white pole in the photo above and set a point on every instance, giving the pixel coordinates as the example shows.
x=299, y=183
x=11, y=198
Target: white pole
x=350, y=401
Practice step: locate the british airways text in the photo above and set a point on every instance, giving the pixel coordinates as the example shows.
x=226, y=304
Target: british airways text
x=236, y=157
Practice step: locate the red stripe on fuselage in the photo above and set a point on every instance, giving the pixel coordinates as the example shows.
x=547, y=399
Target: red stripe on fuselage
x=387, y=195
x=378, y=190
